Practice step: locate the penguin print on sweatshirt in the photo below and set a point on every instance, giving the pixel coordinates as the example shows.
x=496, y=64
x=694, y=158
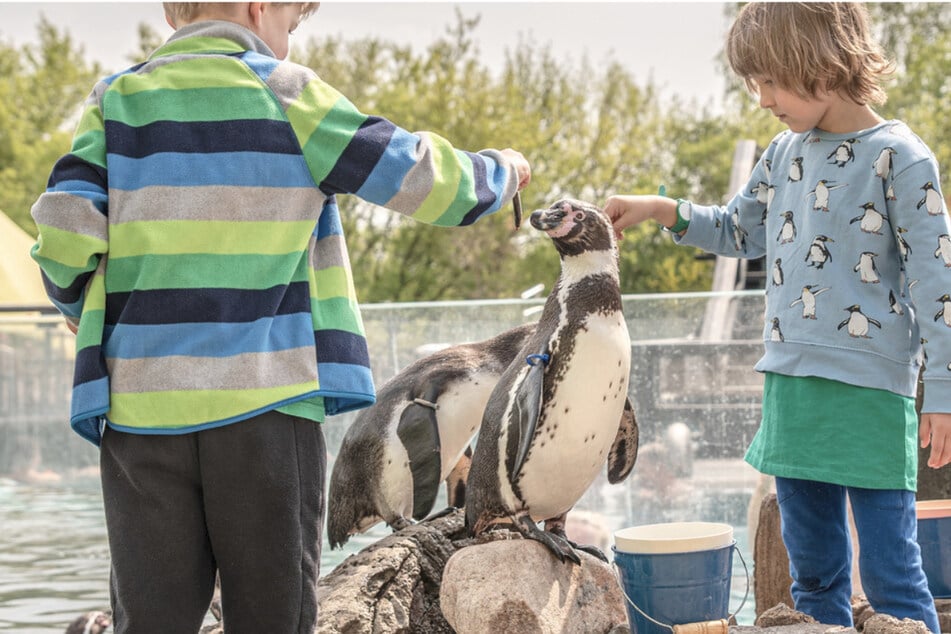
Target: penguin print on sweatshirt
x=787, y=232
x=883, y=164
x=843, y=154
x=859, y=217
x=945, y=313
x=871, y=221
x=866, y=268
x=808, y=300
x=857, y=324
x=932, y=200
x=819, y=253
x=944, y=249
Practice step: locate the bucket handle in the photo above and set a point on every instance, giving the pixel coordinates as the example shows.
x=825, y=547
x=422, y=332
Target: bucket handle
x=617, y=575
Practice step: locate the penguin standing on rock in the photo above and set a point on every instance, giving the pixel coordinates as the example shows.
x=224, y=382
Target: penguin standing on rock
x=397, y=452
x=560, y=410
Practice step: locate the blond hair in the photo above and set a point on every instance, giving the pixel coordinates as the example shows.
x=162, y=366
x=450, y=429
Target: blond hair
x=185, y=12
x=809, y=48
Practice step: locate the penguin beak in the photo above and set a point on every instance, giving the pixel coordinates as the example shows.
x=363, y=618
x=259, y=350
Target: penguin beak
x=547, y=219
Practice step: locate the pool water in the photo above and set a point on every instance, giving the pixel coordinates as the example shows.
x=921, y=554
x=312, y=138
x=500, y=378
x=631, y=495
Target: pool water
x=54, y=558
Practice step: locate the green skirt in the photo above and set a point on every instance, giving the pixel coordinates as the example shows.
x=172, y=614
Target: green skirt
x=824, y=430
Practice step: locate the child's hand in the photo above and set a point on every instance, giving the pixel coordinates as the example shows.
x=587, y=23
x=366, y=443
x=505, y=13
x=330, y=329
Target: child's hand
x=72, y=324
x=522, y=168
x=628, y=211
x=935, y=430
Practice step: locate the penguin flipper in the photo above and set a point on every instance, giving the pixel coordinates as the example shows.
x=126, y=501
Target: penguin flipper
x=623, y=452
x=527, y=407
x=419, y=434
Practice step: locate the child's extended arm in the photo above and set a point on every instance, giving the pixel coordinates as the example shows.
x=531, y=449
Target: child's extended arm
x=71, y=217
x=629, y=211
x=935, y=430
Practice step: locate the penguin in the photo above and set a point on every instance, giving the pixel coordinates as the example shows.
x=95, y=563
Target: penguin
x=944, y=249
x=890, y=193
x=795, y=170
x=775, y=332
x=739, y=233
x=818, y=253
x=945, y=312
x=842, y=155
x=865, y=267
x=894, y=306
x=883, y=164
x=871, y=221
x=787, y=232
x=808, y=300
x=858, y=323
x=904, y=249
x=561, y=409
x=760, y=189
x=778, y=272
x=821, y=192
x=932, y=200
x=397, y=452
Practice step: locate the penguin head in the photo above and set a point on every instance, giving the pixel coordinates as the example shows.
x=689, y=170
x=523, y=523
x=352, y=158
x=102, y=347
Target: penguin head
x=575, y=227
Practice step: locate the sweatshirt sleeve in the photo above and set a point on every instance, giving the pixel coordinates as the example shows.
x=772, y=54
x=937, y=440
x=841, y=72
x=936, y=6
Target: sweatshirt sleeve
x=737, y=229
x=919, y=218
x=71, y=216
x=419, y=174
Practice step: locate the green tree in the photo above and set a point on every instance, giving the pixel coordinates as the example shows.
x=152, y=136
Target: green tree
x=588, y=131
x=42, y=88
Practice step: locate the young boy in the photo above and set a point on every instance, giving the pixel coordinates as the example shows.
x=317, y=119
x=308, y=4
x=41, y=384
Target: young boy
x=848, y=203
x=192, y=237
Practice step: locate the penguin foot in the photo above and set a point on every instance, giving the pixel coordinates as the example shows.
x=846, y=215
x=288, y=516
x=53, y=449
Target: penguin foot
x=555, y=543
x=591, y=550
x=399, y=524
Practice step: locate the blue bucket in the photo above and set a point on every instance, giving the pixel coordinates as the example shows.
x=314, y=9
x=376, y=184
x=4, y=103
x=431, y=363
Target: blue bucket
x=674, y=574
x=934, y=537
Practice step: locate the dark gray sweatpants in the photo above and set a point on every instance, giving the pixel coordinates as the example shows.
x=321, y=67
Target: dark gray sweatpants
x=245, y=500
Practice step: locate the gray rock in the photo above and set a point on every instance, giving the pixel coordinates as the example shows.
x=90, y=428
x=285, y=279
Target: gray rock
x=483, y=593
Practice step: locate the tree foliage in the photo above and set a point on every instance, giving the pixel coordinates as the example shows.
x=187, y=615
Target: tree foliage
x=588, y=129
x=42, y=87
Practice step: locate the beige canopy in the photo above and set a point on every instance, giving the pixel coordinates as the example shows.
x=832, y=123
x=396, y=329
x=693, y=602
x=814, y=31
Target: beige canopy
x=20, y=281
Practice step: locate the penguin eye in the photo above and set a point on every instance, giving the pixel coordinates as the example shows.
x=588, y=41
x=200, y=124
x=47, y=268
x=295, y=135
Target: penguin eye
x=579, y=216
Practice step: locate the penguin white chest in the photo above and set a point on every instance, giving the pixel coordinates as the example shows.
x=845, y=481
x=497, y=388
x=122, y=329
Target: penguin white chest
x=579, y=421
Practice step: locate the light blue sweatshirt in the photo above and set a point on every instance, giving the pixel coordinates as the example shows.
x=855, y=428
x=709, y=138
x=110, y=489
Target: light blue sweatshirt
x=856, y=237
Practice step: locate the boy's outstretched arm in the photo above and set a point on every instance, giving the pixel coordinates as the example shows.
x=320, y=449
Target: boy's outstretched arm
x=935, y=430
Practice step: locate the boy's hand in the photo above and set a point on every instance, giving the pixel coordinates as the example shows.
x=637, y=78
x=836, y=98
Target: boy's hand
x=522, y=168
x=935, y=430
x=72, y=324
x=628, y=211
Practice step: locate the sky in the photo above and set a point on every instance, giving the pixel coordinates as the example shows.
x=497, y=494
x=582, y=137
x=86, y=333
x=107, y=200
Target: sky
x=673, y=44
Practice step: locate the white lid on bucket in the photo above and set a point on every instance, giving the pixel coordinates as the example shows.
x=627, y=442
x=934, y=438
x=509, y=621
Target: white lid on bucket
x=673, y=537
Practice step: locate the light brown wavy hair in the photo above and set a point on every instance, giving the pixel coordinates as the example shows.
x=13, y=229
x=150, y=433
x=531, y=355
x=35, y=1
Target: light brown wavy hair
x=184, y=12
x=809, y=48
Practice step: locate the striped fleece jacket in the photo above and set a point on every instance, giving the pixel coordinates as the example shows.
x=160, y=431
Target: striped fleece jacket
x=192, y=232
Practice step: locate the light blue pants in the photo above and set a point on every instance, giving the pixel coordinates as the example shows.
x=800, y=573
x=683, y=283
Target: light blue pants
x=816, y=533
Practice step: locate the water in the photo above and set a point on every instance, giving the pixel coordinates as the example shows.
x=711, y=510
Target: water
x=54, y=558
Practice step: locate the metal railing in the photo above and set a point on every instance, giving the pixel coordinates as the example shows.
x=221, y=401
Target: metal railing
x=677, y=376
